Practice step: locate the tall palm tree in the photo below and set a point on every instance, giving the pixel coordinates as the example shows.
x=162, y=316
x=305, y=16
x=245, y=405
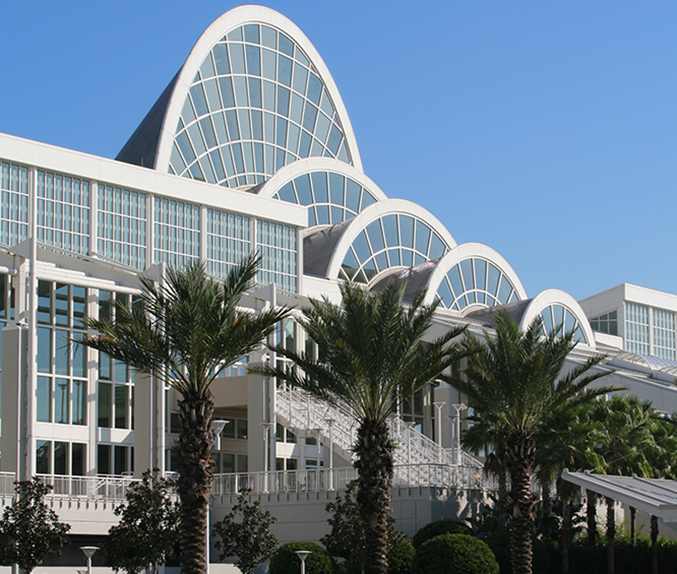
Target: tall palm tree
x=517, y=379
x=188, y=330
x=372, y=357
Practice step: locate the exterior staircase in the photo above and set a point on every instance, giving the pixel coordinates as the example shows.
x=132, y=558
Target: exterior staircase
x=334, y=425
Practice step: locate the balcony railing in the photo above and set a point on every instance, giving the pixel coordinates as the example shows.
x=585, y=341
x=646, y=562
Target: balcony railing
x=111, y=488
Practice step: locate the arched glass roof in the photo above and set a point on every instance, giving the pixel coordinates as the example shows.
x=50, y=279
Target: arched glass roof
x=475, y=280
x=331, y=197
x=391, y=240
x=257, y=103
x=558, y=317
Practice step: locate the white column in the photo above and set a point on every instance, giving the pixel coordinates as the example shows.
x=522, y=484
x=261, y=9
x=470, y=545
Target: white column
x=330, y=422
x=438, y=424
x=29, y=464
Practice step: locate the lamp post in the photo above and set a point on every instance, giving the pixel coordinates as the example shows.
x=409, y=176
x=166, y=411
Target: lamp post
x=89, y=551
x=267, y=441
x=217, y=428
x=458, y=407
x=330, y=423
x=438, y=406
x=303, y=554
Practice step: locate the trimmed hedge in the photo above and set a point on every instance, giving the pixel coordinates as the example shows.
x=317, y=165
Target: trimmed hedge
x=455, y=554
x=444, y=526
x=401, y=558
x=285, y=560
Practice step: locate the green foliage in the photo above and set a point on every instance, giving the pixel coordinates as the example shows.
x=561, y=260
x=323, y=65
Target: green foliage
x=30, y=528
x=148, y=530
x=401, y=557
x=347, y=538
x=438, y=527
x=250, y=538
x=286, y=561
x=455, y=554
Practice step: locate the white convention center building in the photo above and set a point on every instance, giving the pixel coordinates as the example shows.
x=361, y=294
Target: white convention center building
x=250, y=149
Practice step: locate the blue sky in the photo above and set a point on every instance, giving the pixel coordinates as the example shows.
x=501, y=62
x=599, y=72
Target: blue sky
x=546, y=130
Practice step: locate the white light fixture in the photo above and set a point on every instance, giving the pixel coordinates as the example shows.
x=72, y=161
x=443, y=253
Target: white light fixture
x=217, y=429
x=89, y=551
x=303, y=554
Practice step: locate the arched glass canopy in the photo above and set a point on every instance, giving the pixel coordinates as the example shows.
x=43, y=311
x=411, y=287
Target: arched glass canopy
x=331, y=197
x=392, y=240
x=475, y=280
x=256, y=104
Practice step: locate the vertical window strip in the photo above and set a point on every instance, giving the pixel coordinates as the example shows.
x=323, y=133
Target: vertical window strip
x=176, y=232
x=228, y=241
x=276, y=243
x=13, y=203
x=122, y=225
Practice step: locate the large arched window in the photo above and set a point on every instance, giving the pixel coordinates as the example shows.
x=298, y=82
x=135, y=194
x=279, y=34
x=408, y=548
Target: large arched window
x=475, y=280
x=256, y=104
x=392, y=240
x=558, y=318
x=331, y=197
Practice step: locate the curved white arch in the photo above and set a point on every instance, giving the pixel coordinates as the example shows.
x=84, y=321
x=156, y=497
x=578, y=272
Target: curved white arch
x=218, y=29
x=465, y=251
x=558, y=297
x=373, y=212
x=293, y=170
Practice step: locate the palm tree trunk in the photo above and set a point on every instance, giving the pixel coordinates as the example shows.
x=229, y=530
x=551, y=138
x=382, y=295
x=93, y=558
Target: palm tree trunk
x=520, y=454
x=502, y=498
x=547, y=507
x=633, y=517
x=592, y=518
x=566, y=534
x=610, y=534
x=196, y=468
x=654, y=544
x=374, y=466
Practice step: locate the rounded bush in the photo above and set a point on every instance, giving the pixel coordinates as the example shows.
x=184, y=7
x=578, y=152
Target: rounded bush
x=401, y=558
x=285, y=560
x=444, y=526
x=455, y=554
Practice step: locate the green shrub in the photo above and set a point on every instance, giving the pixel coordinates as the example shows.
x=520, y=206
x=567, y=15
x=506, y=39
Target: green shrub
x=285, y=560
x=401, y=558
x=455, y=554
x=444, y=526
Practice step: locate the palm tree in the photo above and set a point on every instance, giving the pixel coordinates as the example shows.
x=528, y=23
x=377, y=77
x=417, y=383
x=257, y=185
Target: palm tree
x=372, y=357
x=516, y=379
x=186, y=332
x=623, y=441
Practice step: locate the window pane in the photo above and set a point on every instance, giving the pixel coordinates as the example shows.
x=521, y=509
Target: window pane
x=121, y=407
x=60, y=458
x=44, y=350
x=61, y=401
x=241, y=429
x=44, y=400
x=103, y=459
x=42, y=456
x=78, y=459
x=105, y=404
x=121, y=459
x=79, y=402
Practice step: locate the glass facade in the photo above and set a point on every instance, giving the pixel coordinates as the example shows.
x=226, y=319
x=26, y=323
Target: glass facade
x=606, y=323
x=475, y=280
x=276, y=244
x=122, y=226
x=176, y=232
x=663, y=334
x=14, y=204
x=62, y=364
x=227, y=241
x=63, y=212
x=255, y=105
x=393, y=240
x=557, y=318
x=637, y=329
x=330, y=197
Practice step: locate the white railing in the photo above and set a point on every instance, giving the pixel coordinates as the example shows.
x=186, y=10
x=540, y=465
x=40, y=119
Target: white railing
x=89, y=487
x=323, y=480
x=300, y=411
